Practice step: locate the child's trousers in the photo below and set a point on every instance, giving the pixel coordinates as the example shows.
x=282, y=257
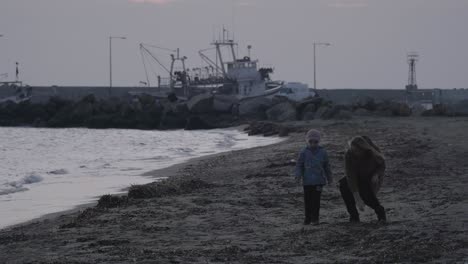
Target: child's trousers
x=312, y=195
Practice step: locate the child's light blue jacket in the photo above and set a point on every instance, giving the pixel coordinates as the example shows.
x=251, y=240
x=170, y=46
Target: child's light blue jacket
x=313, y=167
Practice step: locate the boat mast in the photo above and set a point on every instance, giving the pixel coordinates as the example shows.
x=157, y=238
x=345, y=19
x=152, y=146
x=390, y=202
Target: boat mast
x=232, y=50
x=220, y=56
x=173, y=61
x=224, y=42
x=171, y=73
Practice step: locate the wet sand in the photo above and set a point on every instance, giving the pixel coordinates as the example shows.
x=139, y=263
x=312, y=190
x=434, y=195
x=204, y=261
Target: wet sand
x=244, y=207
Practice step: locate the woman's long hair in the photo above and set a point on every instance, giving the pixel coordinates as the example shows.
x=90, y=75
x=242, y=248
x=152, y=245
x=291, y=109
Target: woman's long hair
x=365, y=143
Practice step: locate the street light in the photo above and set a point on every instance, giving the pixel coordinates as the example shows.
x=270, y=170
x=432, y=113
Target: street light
x=110, y=60
x=315, y=62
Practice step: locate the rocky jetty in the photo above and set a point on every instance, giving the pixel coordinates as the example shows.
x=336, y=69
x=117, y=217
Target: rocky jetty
x=138, y=112
x=203, y=111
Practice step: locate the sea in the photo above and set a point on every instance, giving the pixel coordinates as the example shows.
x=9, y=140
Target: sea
x=44, y=171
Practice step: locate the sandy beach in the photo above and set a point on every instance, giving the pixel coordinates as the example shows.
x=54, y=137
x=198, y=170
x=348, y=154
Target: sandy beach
x=244, y=207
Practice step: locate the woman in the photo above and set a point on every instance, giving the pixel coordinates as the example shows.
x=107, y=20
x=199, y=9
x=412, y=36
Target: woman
x=365, y=167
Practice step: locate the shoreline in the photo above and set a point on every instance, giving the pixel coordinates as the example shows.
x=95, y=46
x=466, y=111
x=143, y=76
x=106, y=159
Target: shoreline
x=168, y=172
x=244, y=207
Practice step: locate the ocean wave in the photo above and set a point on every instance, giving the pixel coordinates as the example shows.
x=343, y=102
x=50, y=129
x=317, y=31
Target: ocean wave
x=58, y=172
x=18, y=186
x=13, y=190
x=228, y=141
x=182, y=150
x=131, y=169
x=158, y=158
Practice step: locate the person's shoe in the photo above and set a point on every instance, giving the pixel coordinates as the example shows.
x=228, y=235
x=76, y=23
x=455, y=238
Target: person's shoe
x=381, y=215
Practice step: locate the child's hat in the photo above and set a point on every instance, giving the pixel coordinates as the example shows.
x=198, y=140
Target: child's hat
x=313, y=134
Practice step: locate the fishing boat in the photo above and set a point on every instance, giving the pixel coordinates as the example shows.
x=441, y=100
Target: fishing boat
x=19, y=93
x=237, y=76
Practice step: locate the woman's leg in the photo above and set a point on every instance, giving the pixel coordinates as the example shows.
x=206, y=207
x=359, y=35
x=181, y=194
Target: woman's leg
x=349, y=201
x=370, y=199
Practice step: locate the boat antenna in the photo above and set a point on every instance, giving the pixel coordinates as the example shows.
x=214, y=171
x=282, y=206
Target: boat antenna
x=224, y=34
x=213, y=31
x=219, y=35
x=233, y=19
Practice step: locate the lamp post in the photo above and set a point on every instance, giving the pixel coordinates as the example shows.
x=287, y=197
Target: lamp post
x=110, y=60
x=315, y=61
x=3, y=75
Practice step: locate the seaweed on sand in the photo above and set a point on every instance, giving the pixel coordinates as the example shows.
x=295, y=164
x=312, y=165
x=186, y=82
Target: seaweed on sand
x=166, y=188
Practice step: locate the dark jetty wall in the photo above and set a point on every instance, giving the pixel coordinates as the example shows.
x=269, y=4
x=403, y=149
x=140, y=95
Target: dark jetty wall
x=204, y=111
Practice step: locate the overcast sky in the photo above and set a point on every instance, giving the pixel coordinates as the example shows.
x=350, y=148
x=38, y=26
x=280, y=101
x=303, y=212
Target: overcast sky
x=65, y=42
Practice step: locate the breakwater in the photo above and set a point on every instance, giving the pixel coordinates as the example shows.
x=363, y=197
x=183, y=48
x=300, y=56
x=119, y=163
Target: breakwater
x=42, y=94
x=150, y=108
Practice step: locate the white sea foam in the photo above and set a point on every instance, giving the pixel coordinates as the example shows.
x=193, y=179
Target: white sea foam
x=59, y=172
x=19, y=185
x=74, y=166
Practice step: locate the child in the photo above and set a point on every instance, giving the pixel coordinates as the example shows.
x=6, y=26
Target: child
x=314, y=169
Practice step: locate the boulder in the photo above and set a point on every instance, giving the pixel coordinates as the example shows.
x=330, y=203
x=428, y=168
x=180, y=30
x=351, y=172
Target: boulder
x=343, y=114
x=401, y=109
x=336, y=111
x=196, y=122
x=136, y=105
x=310, y=108
x=224, y=103
x=316, y=102
x=55, y=104
x=38, y=122
x=283, y=132
x=146, y=99
x=268, y=129
x=439, y=109
x=110, y=106
x=254, y=107
x=262, y=128
x=458, y=109
x=362, y=112
x=324, y=112
x=390, y=108
x=418, y=109
x=180, y=108
x=110, y=121
x=367, y=103
x=172, y=97
x=277, y=99
x=308, y=116
x=282, y=112
x=461, y=108
x=308, y=113
x=202, y=103
x=90, y=98
x=172, y=120
x=83, y=110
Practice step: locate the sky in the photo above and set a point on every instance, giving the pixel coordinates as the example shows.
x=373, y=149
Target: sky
x=66, y=42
